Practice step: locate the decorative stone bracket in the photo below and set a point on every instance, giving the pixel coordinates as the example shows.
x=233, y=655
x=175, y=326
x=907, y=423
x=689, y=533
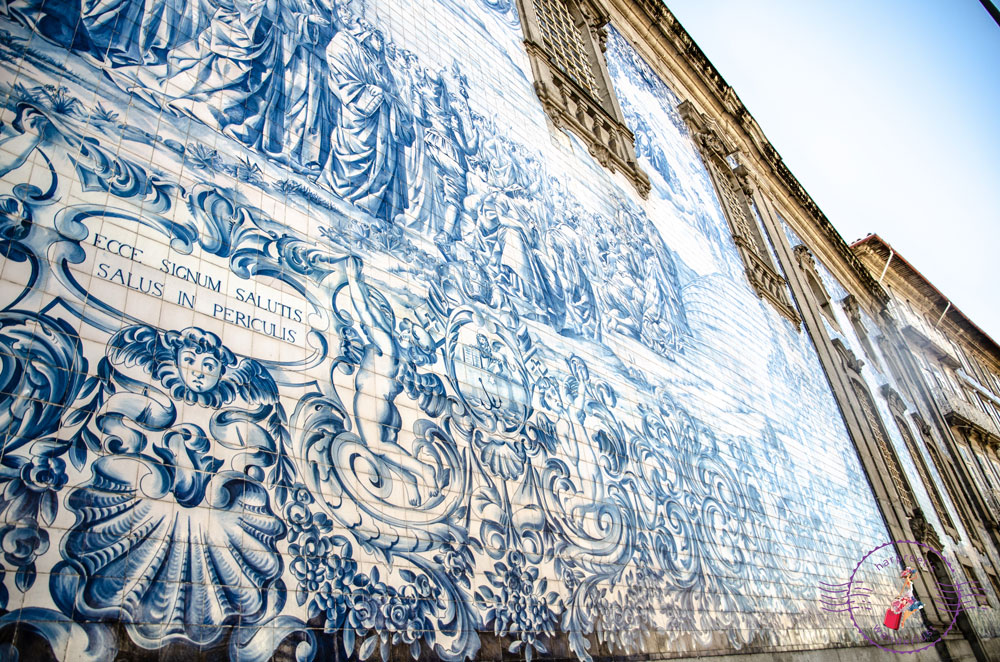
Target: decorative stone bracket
x=851, y=308
x=923, y=531
x=576, y=91
x=895, y=400
x=735, y=189
x=848, y=358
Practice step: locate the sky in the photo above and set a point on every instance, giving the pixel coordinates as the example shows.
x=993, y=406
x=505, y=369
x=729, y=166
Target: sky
x=888, y=113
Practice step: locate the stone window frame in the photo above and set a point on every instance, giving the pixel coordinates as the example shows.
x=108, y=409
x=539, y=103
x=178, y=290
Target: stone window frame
x=850, y=306
x=944, y=470
x=994, y=582
x=738, y=195
x=807, y=263
x=973, y=487
x=878, y=455
x=588, y=108
x=896, y=474
x=976, y=584
x=922, y=529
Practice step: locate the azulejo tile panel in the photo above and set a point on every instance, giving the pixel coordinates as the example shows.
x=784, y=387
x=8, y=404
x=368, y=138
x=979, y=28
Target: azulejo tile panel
x=313, y=337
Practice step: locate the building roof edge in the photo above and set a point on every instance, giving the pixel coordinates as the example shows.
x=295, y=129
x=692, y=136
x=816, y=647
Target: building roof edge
x=726, y=97
x=950, y=308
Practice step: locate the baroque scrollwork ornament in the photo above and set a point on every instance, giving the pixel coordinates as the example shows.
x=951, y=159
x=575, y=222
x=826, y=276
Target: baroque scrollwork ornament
x=324, y=359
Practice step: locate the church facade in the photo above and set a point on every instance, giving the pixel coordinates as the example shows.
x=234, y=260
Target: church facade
x=456, y=330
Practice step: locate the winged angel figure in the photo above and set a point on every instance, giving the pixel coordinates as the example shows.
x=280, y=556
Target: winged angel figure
x=174, y=531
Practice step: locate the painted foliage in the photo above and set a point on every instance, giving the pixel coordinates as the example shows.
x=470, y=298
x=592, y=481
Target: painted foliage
x=311, y=337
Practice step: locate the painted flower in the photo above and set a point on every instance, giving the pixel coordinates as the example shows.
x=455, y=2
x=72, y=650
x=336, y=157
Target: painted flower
x=30, y=496
x=309, y=559
x=22, y=542
x=387, y=616
x=457, y=561
x=517, y=604
x=44, y=473
x=333, y=596
x=320, y=562
x=301, y=494
x=625, y=622
x=247, y=171
x=397, y=614
x=58, y=100
x=298, y=515
x=365, y=609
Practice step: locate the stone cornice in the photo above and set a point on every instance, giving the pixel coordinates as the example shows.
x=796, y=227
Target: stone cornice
x=908, y=283
x=918, y=338
x=678, y=59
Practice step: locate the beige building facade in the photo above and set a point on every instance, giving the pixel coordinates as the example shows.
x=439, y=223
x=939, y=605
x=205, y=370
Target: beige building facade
x=917, y=382
x=457, y=330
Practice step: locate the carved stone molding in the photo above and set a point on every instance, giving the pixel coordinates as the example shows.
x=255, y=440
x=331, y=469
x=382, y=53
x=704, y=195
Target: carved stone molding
x=898, y=408
x=769, y=285
x=574, y=88
x=923, y=531
x=896, y=475
x=659, y=23
x=804, y=257
x=807, y=265
x=930, y=346
x=896, y=403
x=945, y=470
x=847, y=357
x=851, y=308
x=735, y=188
x=705, y=130
x=748, y=183
x=922, y=425
x=853, y=312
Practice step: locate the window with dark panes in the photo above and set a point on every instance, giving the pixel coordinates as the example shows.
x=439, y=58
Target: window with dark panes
x=564, y=40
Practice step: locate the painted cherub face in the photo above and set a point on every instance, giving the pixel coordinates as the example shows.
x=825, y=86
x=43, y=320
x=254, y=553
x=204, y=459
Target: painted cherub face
x=200, y=371
x=192, y=365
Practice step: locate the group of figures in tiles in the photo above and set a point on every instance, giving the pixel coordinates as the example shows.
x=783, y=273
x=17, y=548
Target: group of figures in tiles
x=430, y=470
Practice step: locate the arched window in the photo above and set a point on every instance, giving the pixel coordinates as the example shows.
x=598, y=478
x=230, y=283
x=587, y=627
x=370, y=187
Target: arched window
x=896, y=474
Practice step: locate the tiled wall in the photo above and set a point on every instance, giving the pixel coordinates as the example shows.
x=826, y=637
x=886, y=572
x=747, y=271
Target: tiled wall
x=316, y=337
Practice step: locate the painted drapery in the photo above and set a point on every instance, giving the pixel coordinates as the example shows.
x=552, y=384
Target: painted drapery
x=310, y=351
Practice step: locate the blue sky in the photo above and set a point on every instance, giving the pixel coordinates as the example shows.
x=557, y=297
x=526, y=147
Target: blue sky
x=888, y=112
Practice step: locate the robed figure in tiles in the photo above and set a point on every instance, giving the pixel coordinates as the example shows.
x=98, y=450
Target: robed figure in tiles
x=367, y=167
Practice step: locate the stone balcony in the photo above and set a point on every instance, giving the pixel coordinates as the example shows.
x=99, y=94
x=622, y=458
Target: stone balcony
x=959, y=412
x=935, y=348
